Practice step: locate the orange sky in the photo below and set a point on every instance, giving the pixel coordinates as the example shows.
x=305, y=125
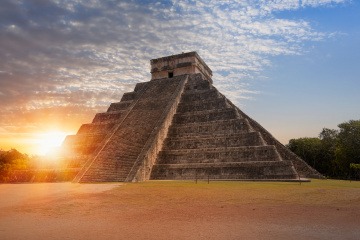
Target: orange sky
x=34, y=132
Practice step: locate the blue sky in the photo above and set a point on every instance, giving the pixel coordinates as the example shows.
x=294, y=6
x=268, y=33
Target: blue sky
x=318, y=88
x=291, y=65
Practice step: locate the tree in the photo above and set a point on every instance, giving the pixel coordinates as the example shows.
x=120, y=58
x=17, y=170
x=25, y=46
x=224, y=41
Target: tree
x=348, y=145
x=306, y=148
x=354, y=171
x=328, y=147
x=333, y=152
x=12, y=160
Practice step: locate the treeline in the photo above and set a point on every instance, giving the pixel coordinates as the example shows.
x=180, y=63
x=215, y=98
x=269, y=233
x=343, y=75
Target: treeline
x=335, y=153
x=13, y=161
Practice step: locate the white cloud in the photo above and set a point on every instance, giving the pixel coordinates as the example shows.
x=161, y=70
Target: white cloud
x=100, y=47
x=317, y=3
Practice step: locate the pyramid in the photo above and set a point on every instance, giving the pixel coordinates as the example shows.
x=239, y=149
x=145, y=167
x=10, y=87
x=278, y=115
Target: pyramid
x=179, y=126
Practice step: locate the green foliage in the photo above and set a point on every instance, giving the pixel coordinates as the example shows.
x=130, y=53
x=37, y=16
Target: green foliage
x=306, y=148
x=334, y=152
x=354, y=166
x=349, y=141
x=354, y=171
x=312, y=150
x=12, y=160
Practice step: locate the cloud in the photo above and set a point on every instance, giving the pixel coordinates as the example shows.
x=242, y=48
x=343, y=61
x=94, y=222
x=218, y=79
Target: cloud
x=86, y=54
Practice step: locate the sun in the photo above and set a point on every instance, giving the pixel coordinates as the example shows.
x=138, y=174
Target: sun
x=49, y=142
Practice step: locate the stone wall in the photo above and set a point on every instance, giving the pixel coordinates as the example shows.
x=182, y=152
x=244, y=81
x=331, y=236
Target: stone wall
x=234, y=171
x=228, y=126
x=186, y=63
x=216, y=155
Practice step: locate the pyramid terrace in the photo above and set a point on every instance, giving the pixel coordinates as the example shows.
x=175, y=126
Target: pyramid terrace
x=178, y=126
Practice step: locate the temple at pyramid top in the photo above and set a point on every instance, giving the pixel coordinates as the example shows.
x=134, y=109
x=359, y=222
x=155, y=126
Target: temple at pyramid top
x=179, y=64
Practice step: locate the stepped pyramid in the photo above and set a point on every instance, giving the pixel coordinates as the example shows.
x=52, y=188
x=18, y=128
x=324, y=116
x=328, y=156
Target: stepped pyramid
x=179, y=126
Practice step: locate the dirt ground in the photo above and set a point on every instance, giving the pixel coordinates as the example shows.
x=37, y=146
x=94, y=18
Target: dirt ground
x=322, y=209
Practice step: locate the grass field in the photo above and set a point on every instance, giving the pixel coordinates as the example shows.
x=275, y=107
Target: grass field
x=321, y=209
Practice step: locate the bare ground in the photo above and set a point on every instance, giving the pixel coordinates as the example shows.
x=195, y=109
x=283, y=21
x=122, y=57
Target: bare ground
x=181, y=210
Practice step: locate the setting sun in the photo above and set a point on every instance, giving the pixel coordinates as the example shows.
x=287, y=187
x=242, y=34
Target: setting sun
x=49, y=142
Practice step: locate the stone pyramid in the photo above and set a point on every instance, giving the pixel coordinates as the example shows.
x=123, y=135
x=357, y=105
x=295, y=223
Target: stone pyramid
x=179, y=126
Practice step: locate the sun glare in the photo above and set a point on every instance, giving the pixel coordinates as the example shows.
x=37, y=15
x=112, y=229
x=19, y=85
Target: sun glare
x=49, y=142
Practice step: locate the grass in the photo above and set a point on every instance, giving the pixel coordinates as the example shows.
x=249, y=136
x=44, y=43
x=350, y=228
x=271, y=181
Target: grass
x=316, y=192
x=315, y=183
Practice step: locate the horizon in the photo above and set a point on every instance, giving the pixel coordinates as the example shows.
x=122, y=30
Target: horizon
x=290, y=65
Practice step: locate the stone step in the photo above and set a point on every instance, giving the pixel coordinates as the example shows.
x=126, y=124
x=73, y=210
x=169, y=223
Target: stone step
x=135, y=141
x=86, y=149
x=205, y=116
x=83, y=139
x=210, y=128
x=109, y=171
x=214, y=155
x=114, y=116
x=129, y=143
x=110, y=168
x=128, y=96
x=119, y=106
x=238, y=134
x=201, y=105
x=140, y=86
x=207, y=94
x=100, y=127
x=222, y=141
x=207, y=134
x=204, y=128
x=83, y=143
x=103, y=178
x=196, y=85
x=126, y=150
x=242, y=170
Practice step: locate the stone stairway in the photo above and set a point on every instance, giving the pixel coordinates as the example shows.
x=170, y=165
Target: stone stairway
x=91, y=136
x=128, y=124
x=209, y=138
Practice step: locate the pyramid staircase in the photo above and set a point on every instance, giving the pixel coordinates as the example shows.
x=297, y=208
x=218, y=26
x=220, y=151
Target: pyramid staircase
x=115, y=139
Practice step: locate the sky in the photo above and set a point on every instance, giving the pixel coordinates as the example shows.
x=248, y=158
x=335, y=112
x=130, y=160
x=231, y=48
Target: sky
x=293, y=66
